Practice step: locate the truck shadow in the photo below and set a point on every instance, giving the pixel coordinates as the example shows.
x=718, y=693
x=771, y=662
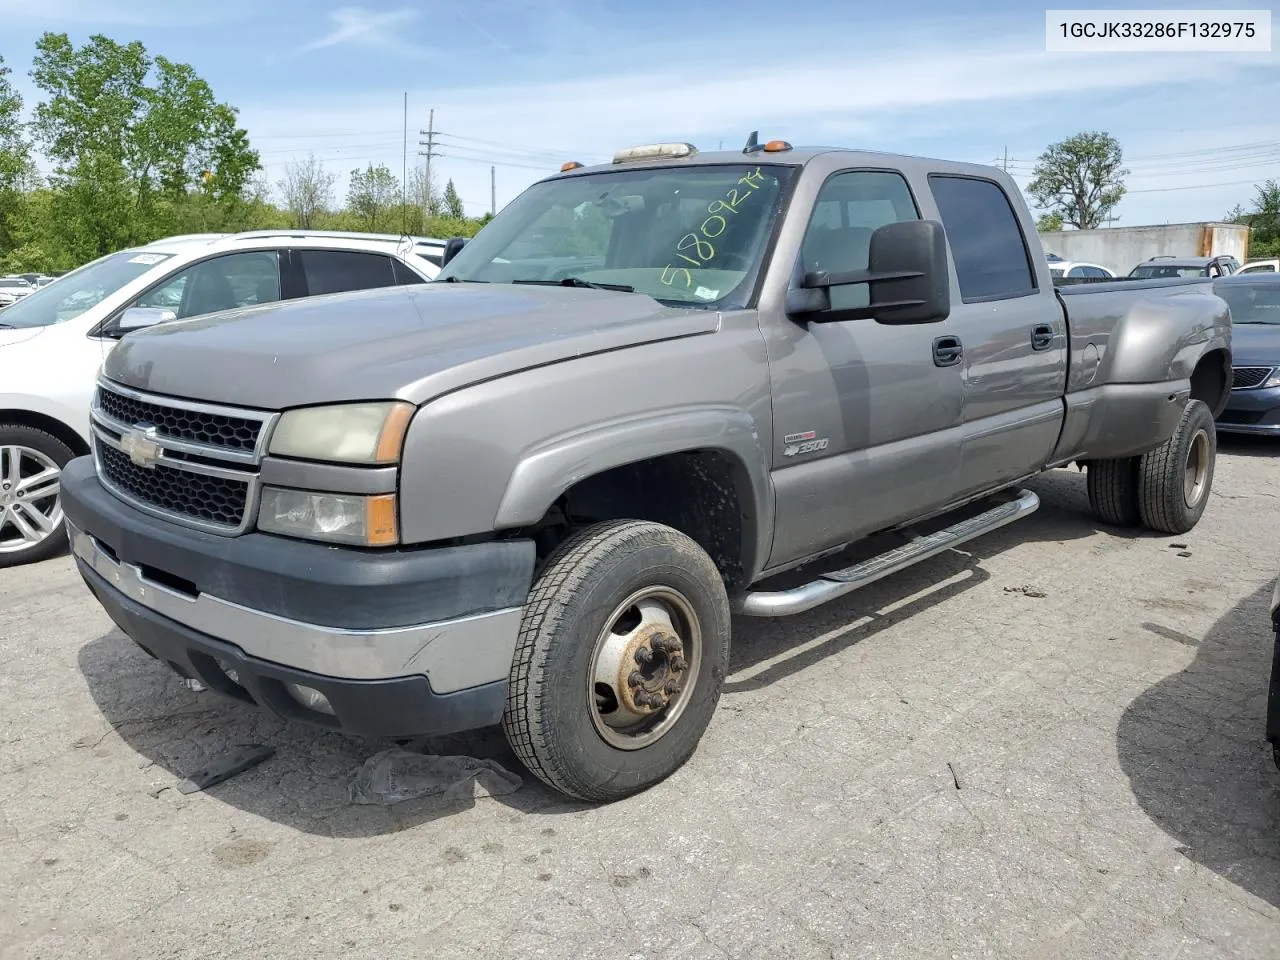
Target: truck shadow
x=306, y=784
x=1063, y=516
x=1194, y=750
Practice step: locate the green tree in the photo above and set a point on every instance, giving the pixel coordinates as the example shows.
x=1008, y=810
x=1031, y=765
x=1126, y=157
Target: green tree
x=452, y=202
x=132, y=139
x=372, y=192
x=1049, y=223
x=1080, y=178
x=307, y=188
x=1263, y=220
x=16, y=170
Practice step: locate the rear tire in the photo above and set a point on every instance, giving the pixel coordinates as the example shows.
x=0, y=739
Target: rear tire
x=622, y=654
x=31, y=521
x=1113, y=491
x=1175, y=478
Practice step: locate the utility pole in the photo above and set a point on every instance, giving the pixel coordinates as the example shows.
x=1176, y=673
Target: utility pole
x=493, y=191
x=430, y=144
x=1005, y=165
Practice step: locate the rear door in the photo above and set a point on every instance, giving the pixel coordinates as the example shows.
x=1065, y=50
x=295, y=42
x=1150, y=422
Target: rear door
x=1013, y=332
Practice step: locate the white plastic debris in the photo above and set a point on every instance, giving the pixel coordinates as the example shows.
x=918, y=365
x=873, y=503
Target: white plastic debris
x=396, y=775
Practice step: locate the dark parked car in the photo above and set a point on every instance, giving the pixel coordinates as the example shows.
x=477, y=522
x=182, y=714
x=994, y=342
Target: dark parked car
x=1165, y=267
x=1273, y=696
x=1254, y=406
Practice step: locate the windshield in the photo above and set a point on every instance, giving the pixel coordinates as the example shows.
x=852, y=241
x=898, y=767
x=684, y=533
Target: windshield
x=691, y=236
x=76, y=292
x=1249, y=302
x=1150, y=271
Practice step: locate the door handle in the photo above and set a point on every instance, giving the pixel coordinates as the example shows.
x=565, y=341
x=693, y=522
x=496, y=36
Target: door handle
x=1042, y=337
x=947, y=351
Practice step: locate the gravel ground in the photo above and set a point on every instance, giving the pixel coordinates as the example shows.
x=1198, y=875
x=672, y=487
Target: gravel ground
x=1048, y=746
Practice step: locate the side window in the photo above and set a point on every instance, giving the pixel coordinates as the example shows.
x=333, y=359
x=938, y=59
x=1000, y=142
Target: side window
x=404, y=275
x=986, y=242
x=220, y=283
x=849, y=208
x=1080, y=272
x=336, y=271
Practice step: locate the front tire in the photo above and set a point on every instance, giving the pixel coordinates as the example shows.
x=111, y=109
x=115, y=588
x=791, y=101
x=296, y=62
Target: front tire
x=1176, y=477
x=31, y=521
x=620, y=661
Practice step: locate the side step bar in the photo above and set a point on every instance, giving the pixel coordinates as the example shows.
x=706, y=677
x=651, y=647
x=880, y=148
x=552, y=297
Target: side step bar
x=829, y=586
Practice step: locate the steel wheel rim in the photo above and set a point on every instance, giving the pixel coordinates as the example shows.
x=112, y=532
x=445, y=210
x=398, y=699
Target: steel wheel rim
x=1195, y=471
x=649, y=619
x=30, y=498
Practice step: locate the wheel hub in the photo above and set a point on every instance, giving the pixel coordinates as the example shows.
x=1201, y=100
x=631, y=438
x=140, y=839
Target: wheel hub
x=653, y=662
x=644, y=664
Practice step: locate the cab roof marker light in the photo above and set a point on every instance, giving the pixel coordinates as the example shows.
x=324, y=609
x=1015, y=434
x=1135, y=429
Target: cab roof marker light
x=570, y=165
x=655, y=151
x=776, y=146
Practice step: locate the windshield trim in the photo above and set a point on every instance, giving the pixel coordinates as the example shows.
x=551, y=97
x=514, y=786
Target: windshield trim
x=767, y=249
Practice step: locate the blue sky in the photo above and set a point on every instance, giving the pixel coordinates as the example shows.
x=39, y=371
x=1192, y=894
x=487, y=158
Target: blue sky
x=527, y=84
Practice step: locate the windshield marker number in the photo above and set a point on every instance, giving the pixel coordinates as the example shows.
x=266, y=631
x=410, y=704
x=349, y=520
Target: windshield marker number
x=700, y=245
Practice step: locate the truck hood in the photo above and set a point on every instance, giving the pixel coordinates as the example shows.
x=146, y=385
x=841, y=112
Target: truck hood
x=1255, y=344
x=411, y=343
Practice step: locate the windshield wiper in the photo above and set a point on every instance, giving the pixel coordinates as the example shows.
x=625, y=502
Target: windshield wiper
x=452, y=279
x=7, y=326
x=579, y=282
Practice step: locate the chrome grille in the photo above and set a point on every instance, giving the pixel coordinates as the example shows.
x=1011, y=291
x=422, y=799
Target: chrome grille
x=211, y=429
x=192, y=463
x=1246, y=378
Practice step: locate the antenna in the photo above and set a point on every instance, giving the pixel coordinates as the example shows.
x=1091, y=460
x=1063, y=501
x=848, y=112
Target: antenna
x=753, y=142
x=404, y=172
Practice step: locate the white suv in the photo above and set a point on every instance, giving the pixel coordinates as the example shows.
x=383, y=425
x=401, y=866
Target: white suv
x=54, y=339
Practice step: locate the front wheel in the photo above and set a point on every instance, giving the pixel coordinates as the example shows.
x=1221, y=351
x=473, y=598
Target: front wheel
x=1175, y=478
x=622, y=654
x=31, y=462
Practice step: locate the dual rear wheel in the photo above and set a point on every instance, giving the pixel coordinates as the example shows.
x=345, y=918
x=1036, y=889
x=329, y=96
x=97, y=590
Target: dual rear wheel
x=1165, y=489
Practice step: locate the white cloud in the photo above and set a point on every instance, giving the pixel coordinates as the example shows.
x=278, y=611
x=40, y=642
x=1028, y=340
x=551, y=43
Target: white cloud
x=365, y=28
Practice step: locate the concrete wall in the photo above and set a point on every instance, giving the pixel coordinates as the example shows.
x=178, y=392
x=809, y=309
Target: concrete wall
x=1120, y=249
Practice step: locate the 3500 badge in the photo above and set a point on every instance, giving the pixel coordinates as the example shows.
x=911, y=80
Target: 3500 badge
x=807, y=442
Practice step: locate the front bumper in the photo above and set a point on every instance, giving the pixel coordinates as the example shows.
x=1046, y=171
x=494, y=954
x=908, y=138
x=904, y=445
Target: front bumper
x=1252, y=411
x=401, y=643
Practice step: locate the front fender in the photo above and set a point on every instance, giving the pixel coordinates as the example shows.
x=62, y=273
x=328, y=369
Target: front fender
x=549, y=469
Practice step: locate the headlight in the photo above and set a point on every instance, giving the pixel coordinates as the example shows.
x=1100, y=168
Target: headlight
x=347, y=433
x=1274, y=379
x=334, y=517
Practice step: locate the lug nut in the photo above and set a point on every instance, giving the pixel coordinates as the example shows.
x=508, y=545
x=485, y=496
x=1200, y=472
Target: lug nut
x=671, y=688
x=678, y=663
x=635, y=678
x=643, y=655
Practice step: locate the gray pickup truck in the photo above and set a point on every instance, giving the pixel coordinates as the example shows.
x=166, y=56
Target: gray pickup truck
x=533, y=491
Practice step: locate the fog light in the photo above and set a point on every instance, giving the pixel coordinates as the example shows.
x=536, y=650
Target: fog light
x=309, y=698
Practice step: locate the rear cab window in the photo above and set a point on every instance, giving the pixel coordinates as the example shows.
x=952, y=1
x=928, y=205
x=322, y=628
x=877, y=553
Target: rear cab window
x=987, y=246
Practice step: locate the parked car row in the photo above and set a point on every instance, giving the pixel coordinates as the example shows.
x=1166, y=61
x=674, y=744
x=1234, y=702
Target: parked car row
x=54, y=339
x=1161, y=267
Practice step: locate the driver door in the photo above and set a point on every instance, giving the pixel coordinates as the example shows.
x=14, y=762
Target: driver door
x=867, y=417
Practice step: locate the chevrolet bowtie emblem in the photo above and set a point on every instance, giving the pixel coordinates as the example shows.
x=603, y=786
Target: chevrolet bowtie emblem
x=141, y=446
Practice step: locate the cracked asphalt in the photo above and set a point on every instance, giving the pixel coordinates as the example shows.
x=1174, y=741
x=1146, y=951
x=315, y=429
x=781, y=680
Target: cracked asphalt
x=1048, y=746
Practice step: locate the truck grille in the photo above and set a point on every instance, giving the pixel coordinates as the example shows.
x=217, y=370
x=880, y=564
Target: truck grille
x=212, y=429
x=214, y=500
x=1246, y=378
x=192, y=463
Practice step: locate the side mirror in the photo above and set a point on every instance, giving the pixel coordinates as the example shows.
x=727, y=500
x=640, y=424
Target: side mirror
x=906, y=275
x=135, y=318
x=451, y=248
